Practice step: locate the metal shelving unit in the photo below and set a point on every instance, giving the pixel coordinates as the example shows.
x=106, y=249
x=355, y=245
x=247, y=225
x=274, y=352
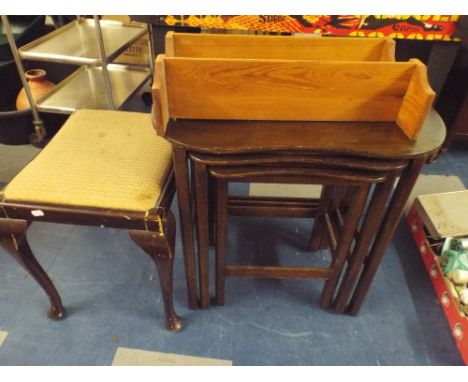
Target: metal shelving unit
x=93, y=44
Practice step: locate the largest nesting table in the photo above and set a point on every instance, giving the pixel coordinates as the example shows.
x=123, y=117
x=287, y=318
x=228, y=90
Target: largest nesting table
x=232, y=143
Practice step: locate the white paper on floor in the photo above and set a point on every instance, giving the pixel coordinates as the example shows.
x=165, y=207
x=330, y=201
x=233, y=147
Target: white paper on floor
x=3, y=336
x=137, y=357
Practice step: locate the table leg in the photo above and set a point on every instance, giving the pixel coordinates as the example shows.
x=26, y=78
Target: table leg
x=211, y=209
x=201, y=195
x=366, y=234
x=344, y=242
x=317, y=239
x=185, y=210
x=387, y=228
x=221, y=237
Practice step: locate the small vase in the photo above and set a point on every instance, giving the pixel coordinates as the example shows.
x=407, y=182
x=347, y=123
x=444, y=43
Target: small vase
x=38, y=85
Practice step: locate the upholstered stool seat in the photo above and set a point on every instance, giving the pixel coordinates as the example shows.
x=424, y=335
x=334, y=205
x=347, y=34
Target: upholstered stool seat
x=103, y=168
x=101, y=159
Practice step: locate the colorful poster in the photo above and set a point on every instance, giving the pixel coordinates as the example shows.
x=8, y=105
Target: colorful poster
x=415, y=27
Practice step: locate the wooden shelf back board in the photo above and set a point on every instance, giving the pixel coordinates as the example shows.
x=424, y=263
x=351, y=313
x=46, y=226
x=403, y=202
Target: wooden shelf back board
x=279, y=47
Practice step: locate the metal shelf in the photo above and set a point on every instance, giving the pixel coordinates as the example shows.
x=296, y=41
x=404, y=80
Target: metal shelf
x=76, y=43
x=84, y=89
x=93, y=44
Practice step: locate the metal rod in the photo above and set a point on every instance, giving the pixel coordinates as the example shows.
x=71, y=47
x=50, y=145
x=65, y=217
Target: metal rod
x=37, y=122
x=105, y=71
x=151, y=47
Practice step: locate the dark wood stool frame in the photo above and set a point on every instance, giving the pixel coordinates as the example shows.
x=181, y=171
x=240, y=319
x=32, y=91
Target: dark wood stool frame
x=153, y=231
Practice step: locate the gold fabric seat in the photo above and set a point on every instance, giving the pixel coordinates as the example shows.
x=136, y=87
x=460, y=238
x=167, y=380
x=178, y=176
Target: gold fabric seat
x=99, y=158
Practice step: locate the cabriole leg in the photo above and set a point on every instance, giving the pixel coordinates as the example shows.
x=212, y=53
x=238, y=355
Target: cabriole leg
x=13, y=240
x=160, y=247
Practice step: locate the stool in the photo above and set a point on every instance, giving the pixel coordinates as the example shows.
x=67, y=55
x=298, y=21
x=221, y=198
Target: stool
x=104, y=169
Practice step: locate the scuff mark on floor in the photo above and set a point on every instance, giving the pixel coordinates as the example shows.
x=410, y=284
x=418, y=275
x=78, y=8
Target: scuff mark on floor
x=281, y=332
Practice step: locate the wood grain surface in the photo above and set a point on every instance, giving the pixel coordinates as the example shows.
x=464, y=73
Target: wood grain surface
x=160, y=111
x=279, y=47
x=285, y=90
x=417, y=101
